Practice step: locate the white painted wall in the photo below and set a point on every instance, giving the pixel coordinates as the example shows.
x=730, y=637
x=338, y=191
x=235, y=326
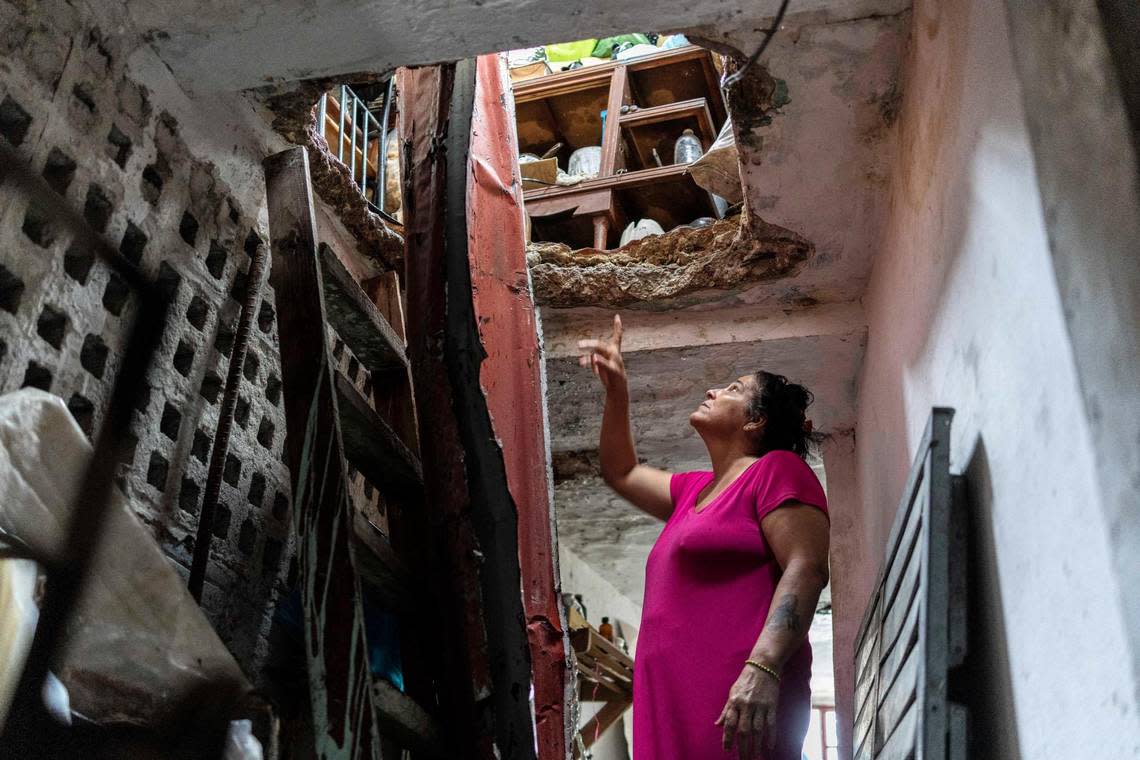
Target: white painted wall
x=963, y=310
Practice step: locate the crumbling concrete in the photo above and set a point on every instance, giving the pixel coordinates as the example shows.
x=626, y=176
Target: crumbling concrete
x=380, y=244
x=728, y=254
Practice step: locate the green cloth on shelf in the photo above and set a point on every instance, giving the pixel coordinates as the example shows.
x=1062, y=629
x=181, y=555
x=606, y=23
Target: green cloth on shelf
x=605, y=46
x=570, y=51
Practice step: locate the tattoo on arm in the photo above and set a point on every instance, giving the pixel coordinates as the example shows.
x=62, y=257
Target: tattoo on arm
x=785, y=617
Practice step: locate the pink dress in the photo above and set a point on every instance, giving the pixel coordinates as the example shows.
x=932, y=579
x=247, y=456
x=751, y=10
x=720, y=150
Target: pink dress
x=709, y=582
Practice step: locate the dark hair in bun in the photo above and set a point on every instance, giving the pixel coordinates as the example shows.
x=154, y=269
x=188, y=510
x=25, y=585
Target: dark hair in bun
x=784, y=407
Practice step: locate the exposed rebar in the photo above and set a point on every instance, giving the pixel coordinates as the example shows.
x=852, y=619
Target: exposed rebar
x=221, y=447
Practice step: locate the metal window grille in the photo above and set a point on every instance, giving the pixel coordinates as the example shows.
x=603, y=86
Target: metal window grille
x=913, y=635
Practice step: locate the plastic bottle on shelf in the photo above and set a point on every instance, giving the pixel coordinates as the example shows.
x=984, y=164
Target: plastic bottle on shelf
x=606, y=629
x=687, y=149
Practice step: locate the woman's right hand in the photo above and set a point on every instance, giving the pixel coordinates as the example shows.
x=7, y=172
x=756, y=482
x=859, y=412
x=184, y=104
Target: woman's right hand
x=604, y=358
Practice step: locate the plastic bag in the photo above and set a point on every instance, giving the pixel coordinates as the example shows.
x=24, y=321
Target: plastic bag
x=137, y=647
x=718, y=170
x=241, y=744
x=18, y=616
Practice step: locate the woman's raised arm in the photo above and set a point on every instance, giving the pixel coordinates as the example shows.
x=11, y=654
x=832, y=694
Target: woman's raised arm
x=647, y=488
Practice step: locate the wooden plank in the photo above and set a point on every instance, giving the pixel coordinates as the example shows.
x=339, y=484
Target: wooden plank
x=596, y=726
x=591, y=690
x=866, y=648
x=589, y=639
x=392, y=394
x=907, y=549
x=865, y=630
x=898, y=696
x=384, y=290
x=467, y=491
x=585, y=203
x=697, y=109
x=379, y=565
x=865, y=721
x=628, y=180
x=933, y=628
x=357, y=320
x=343, y=718
x=901, y=744
x=865, y=687
x=594, y=76
x=588, y=642
x=958, y=623
x=621, y=667
x=372, y=446
x=908, y=588
x=921, y=627
x=612, y=133
x=907, y=638
x=592, y=668
x=399, y=717
x=712, y=81
x=564, y=83
x=463, y=666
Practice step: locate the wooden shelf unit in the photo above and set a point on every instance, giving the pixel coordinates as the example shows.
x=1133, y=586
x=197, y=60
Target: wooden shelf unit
x=662, y=95
x=604, y=674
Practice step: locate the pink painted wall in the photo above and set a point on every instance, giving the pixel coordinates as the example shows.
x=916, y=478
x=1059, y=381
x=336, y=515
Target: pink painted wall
x=963, y=311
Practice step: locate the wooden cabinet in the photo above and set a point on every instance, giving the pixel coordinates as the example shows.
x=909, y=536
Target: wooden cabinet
x=635, y=110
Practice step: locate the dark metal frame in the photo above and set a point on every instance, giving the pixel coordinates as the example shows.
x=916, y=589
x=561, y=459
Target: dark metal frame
x=913, y=633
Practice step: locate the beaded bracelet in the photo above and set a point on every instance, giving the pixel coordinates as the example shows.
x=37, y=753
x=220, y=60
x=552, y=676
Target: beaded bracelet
x=761, y=666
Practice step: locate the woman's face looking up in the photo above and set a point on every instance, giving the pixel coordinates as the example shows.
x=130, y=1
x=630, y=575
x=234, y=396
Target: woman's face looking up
x=724, y=411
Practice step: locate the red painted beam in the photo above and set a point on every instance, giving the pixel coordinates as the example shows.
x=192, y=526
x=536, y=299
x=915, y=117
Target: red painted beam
x=511, y=380
x=425, y=95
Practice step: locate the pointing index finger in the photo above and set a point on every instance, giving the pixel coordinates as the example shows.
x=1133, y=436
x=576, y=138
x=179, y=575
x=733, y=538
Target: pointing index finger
x=617, y=331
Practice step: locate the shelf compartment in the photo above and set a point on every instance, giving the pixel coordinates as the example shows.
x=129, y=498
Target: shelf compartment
x=660, y=126
x=666, y=194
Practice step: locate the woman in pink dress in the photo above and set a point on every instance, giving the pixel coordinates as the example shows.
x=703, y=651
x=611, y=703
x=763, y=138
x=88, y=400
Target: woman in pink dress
x=731, y=585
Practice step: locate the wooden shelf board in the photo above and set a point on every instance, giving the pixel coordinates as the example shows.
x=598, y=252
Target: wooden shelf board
x=371, y=445
x=357, y=320
x=666, y=194
x=603, y=670
x=598, y=75
x=406, y=722
x=378, y=564
x=616, y=182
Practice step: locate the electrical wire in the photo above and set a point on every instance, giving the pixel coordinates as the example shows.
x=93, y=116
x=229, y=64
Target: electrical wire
x=736, y=77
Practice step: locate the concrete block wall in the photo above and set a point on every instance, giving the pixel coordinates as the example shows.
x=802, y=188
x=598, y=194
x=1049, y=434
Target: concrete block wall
x=87, y=110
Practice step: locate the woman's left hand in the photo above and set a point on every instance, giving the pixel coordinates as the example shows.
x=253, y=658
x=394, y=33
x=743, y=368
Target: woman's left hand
x=750, y=713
